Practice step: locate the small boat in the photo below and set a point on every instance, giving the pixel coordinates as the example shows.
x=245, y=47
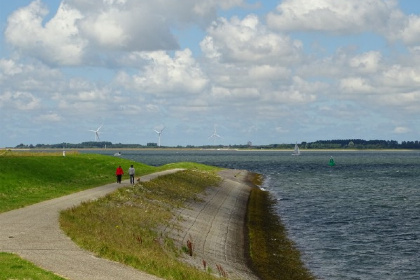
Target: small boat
x=117, y=154
x=296, y=152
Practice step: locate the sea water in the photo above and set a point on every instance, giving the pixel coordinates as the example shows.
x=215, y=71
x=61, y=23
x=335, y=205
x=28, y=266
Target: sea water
x=356, y=220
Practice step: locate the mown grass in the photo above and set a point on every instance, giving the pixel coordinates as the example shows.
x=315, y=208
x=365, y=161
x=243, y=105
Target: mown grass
x=123, y=226
x=13, y=267
x=28, y=178
x=274, y=256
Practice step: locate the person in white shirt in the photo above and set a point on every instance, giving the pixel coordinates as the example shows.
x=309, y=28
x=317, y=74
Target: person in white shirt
x=131, y=172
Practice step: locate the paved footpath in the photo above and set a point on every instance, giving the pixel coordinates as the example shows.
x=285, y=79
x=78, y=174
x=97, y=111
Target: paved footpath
x=33, y=232
x=214, y=225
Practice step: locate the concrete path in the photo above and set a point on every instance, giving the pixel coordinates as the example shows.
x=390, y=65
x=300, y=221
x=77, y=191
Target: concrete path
x=34, y=234
x=214, y=225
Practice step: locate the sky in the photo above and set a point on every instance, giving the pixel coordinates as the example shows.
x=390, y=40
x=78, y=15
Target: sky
x=268, y=72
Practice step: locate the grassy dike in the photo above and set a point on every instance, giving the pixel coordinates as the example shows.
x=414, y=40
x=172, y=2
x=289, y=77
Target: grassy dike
x=122, y=226
x=28, y=178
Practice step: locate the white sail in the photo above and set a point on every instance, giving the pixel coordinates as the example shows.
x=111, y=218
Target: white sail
x=296, y=152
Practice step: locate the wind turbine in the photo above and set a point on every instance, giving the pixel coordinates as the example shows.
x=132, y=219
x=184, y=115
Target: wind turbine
x=215, y=135
x=96, y=133
x=159, y=132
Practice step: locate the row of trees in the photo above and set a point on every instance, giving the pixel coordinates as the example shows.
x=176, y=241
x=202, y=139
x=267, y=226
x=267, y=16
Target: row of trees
x=321, y=144
x=361, y=144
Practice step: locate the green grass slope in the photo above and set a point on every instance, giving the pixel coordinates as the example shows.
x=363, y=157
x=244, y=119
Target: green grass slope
x=13, y=267
x=124, y=225
x=27, y=179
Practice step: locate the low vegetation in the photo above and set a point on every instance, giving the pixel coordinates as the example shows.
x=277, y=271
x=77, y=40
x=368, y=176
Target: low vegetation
x=274, y=256
x=123, y=225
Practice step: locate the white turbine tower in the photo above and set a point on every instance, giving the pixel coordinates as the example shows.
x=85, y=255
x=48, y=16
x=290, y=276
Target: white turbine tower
x=215, y=135
x=159, y=132
x=96, y=133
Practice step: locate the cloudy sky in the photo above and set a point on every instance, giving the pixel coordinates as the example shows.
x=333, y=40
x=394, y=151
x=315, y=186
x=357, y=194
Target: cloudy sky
x=260, y=71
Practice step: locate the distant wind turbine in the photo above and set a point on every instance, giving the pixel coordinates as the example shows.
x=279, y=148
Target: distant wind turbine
x=215, y=135
x=96, y=133
x=159, y=132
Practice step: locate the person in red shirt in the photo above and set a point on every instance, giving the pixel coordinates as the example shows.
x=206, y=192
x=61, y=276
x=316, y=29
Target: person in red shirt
x=119, y=174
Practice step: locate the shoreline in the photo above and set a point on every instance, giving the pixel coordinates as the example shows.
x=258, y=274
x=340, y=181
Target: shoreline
x=234, y=227
x=271, y=251
x=221, y=225
x=201, y=149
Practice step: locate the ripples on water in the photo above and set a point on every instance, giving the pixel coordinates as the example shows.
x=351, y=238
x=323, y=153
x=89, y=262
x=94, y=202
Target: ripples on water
x=356, y=220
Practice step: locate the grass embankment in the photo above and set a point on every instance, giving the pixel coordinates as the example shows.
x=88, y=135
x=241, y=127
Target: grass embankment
x=30, y=178
x=123, y=225
x=13, y=267
x=274, y=256
x=27, y=178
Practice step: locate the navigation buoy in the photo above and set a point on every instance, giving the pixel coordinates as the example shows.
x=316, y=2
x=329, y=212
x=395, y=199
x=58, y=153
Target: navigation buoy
x=332, y=163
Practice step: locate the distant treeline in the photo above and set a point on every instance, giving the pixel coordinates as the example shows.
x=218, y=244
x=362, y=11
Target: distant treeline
x=321, y=144
x=361, y=144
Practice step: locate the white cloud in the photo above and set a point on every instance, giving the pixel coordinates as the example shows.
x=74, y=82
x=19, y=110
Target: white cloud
x=56, y=42
x=249, y=41
x=133, y=26
x=367, y=62
x=264, y=73
x=21, y=101
x=166, y=75
x=9, y=67
x=81, y=30
x=401, y=130
x=409, y=32
x=236, y=95
x=401, y=76
x=81, y=97
x=356, y=85
x=127, y=68
x=299, y=91
x=28, y=77
x=51, y=117
x=409, y=102
x=353, y=16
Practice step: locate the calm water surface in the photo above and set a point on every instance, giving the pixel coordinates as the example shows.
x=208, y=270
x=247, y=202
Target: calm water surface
x=356, y=220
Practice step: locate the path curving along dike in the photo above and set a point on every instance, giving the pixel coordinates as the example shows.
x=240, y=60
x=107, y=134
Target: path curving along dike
x=215, y=225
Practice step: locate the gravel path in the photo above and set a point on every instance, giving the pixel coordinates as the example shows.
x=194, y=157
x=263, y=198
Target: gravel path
x=214, y=226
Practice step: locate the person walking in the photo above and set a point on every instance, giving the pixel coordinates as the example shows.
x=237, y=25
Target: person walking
x=119, y=174
x=131, y=172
